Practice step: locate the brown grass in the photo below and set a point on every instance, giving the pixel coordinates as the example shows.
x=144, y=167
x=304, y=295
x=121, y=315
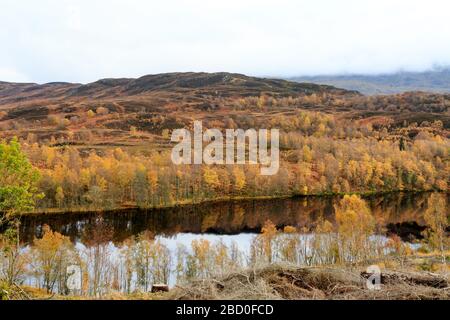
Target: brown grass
x=280, y=282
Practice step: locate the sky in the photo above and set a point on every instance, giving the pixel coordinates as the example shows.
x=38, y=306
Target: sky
x=86, y=40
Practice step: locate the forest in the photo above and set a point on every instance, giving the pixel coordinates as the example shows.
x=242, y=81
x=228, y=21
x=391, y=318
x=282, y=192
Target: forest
x=319, y=155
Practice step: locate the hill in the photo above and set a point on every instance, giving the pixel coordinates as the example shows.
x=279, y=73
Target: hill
x=109, y=112
x=216, y=84
x=149, y=104
x=431, y=81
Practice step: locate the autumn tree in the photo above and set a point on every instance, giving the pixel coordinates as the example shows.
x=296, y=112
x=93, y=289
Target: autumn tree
x=161, y=262
x=211, y=179
x=142, y=256
x=51, y=255
x=263, y=245
x=324, y=245
x=239, y=179
x=355, y=225
x=201, y=257
x=437, y=220
x=288, y=245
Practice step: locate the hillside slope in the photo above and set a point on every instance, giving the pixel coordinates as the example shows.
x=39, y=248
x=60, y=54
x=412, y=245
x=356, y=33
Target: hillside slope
x=109, y=112
x=218, y=84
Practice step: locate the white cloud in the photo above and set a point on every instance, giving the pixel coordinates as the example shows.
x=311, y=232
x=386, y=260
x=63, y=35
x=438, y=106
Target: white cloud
x=84, y=40
x=74, y=18
x=12, y=75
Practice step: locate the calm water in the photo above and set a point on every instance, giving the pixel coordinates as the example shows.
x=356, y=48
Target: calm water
x=400, y=213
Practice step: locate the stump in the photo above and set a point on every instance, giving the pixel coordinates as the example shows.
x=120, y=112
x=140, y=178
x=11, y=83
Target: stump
x=160, y=287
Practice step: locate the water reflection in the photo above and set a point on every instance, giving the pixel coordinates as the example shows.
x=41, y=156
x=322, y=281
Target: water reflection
x=225, y=218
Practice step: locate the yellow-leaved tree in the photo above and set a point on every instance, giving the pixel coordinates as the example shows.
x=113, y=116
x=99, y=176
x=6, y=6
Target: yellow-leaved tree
x=437, y=220
x=51, y=255
x=355, y=225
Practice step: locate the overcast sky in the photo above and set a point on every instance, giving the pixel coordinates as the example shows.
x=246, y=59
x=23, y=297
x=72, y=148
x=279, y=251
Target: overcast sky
x=82, y=41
